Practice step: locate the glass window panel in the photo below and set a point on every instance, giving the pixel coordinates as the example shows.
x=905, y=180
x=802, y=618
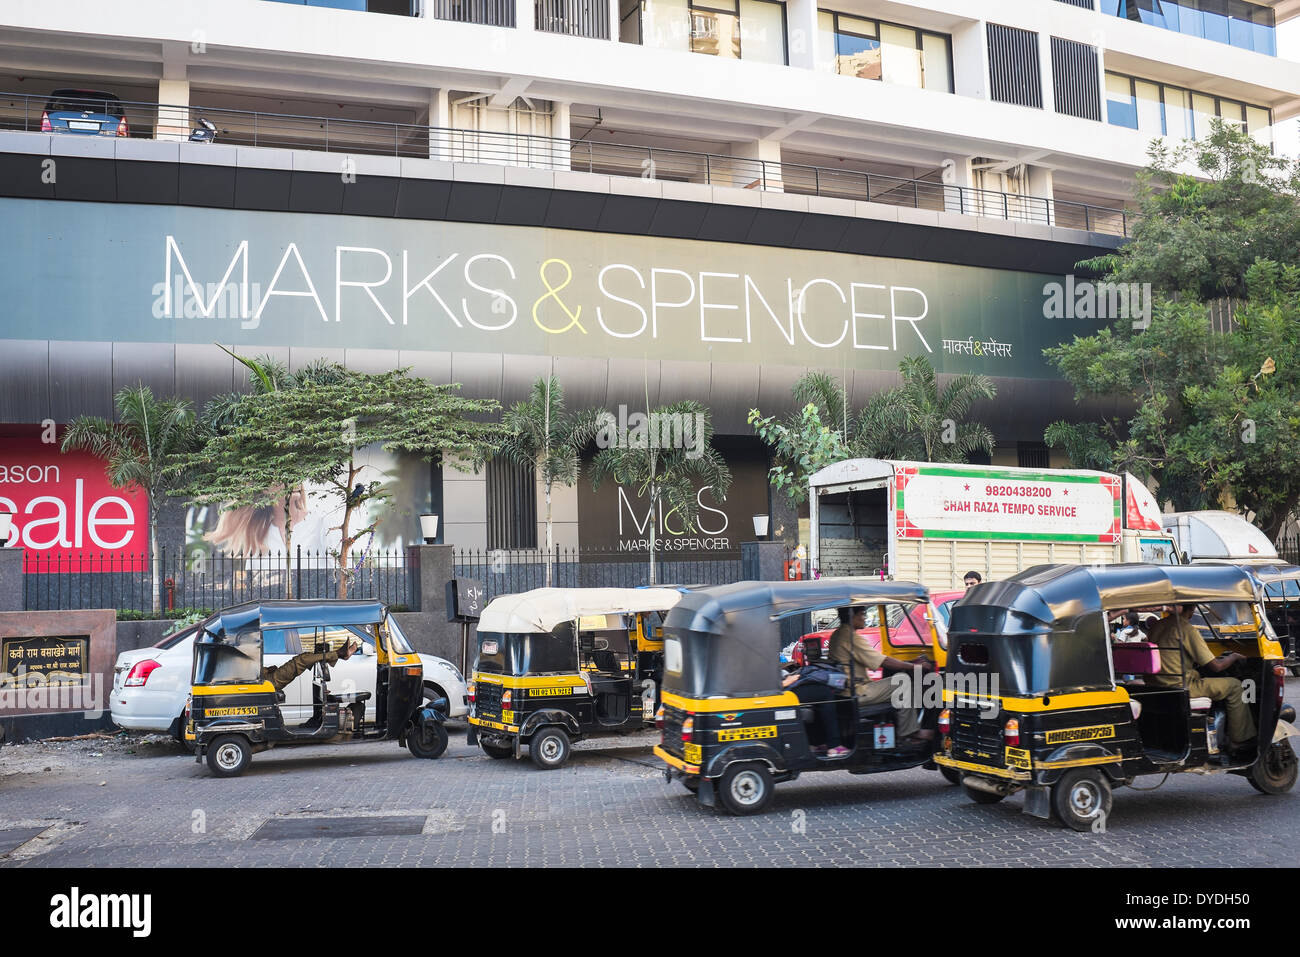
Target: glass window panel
x=1178, y=113
x=762, y=31
x=826, y=51
x=901, y=58
x=666, y=24
x=1202, y=112
x=717, y=34
x=1258, y=125
x=857, y=56
x=937, y=75
x=1121, y=110
x=866, y=28
x=1149, y=117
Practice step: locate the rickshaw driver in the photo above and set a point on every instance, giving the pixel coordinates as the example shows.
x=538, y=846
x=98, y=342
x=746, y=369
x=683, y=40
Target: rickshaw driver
x=282, y=676
x=1177, y=638
x=847, y=646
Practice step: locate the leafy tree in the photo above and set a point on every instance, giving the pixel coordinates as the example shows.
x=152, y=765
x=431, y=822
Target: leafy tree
x=539, y=433
x=290, y=432
x=915, y=420
x=150, y=436
x=664, y=473
x=1210, y=415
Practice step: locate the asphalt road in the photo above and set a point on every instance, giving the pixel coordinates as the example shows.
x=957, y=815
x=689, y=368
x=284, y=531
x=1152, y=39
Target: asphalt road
x=374, y=804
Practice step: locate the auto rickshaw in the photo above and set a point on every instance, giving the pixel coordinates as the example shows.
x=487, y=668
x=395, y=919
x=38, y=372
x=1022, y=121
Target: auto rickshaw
x=1279, y=587
x=1038, y=699
x=558, y=664
x=730, y=730
x=234, y=709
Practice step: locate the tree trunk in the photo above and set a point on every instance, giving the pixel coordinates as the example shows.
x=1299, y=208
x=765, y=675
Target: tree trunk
x=155, y=561
x=654, y=515
x=345, y=545
x=550, y=540
x=288, y=548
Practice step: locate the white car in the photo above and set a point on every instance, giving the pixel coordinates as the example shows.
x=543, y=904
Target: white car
x=150, y=685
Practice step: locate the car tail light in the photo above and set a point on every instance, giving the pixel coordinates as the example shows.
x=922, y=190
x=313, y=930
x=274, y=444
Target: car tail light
x=505, y=699
x=1011, y=733
x=1279, y=673
x=659, y=718
x=140, y=673
x=688, y=729
x=122, y=128
x=46, y=125
x=945, y=721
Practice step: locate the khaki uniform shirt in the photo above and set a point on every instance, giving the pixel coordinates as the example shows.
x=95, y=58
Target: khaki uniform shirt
x=1182, y=649
x=848, y=646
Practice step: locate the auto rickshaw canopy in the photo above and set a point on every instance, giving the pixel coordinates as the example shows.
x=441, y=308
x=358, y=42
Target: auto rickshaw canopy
x=728, y=638
x=543, y=609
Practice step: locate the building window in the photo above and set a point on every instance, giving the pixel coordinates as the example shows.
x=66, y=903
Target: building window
x=1033, y=455
x=492, y=13
x=402, y=8
x=735, y=29
x=1014, y=72
x=1075, y=85
x=1159, y=109
x=511, y=505
x=578, y=18
x=877, y=50
x=1249, y=26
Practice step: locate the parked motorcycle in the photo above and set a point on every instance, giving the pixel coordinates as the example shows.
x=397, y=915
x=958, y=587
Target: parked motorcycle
x=205, y=132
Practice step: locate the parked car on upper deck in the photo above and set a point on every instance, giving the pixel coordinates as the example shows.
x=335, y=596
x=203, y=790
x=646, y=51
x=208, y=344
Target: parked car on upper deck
x=88, y=112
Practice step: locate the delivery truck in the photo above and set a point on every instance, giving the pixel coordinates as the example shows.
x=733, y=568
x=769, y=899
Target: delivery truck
x=933, y=522
x=1212, y=536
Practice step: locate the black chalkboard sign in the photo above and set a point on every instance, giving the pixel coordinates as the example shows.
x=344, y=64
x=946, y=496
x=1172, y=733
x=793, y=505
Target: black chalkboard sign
x=465, y=599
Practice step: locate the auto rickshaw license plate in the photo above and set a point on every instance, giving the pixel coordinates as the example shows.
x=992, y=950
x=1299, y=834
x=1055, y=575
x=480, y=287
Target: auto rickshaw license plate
x=1081, y=734
x=508, y=717
x=747, y=734
x=1017, y=758
x=692, y=753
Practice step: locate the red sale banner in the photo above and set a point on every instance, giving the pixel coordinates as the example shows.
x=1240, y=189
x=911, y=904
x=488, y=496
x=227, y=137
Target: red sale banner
x=64, y=508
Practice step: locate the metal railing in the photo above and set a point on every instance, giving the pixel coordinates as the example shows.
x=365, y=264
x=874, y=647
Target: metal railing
x=206, y=583
x=367, y=137
x=507, y=571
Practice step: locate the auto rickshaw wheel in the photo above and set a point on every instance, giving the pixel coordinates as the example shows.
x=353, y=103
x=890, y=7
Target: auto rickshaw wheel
x=549, y=748
x=1275, y=771
x=427, y=741
x=1082, y=798
x=229, y=755
x=980, y=796
x=746, y=788
x=498, y=751
x=951, y=775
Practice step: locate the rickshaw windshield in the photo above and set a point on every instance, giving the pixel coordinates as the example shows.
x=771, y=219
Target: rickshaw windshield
x=395, y=636
x=537, y=653
x=229, y=660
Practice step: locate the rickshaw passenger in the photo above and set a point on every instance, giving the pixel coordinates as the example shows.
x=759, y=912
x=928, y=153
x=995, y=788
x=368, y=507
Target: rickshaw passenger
x=1178, y=639
x=816, y=683
x=848, y=646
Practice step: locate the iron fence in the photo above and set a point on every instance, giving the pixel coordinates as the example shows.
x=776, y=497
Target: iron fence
x=366, y=137
x=1288, y=549
x=192, y=582
x=506, y=571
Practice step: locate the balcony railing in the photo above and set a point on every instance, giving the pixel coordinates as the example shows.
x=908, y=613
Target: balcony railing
x=366, y=137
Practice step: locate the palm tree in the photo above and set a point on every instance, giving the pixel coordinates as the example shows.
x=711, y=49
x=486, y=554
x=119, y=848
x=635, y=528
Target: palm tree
x=919, y=420
x=673, y=475
x=150, y=435
x=540, y=435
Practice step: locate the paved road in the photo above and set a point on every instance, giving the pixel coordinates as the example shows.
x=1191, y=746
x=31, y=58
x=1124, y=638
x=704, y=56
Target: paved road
x=610, y=806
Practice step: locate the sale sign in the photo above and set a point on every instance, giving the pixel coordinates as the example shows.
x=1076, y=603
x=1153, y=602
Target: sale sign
x=936, y=501
x=66, y=511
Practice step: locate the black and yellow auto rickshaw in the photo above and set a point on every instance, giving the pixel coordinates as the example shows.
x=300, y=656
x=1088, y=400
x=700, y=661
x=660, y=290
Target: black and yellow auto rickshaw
x=235, y=705
x=558, y=664
x=730, y=729
x=1279, y=587
x=1038, y=698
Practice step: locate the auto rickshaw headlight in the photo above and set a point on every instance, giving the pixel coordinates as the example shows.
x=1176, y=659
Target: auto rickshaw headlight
x=945, y=721
x=1011, y=733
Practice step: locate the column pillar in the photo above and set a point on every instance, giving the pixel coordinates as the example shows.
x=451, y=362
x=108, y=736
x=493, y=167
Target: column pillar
x=11, y=579
x=173, y=121
x=442, y=143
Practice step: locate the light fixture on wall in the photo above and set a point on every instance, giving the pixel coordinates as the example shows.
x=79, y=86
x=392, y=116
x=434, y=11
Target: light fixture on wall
x=6, y=528
x=760, y=526
x=429, y=528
